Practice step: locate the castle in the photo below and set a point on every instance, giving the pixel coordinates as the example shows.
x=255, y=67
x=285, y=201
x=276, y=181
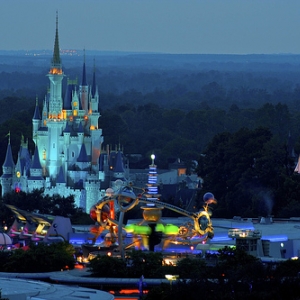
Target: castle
x=68, y=159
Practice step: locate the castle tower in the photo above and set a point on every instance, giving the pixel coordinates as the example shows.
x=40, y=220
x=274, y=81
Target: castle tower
x=95, y=131
x=55, y=122
x=7, y=170
x=55, y=76
x=92, y=187
x=83, y=90
x=67, y=139
x=94, y=103
x=118, y=170
x=36, y=120
x=44, y=113
x=35, y=180
x=22, y=168
x=61, y=182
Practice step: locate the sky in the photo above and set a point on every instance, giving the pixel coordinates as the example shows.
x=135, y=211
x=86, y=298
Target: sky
x=163, y=26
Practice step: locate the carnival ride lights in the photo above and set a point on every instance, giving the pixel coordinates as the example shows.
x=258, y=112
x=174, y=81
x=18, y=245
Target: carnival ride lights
x=152, y=189
x=190, y=233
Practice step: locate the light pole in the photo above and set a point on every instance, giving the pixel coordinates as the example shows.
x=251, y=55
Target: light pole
x=171, y=278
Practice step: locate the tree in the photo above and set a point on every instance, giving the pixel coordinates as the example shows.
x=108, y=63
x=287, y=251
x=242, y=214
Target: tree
x=243, y=170
x=148, y=264
x=40, y=258
x=191, y=268
x=107, y=266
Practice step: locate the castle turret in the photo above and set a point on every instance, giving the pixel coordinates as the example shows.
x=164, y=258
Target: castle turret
x=44, y=113
x=95, y=131
x=75, y=103
x=54, y=121
x=82, y=161
x=118, y=170
x=83, y=90
x=80, y=133
x=36, y=120
x=36, y=180
x=7, y=169
x=94, y=104
x=60, y=181
x=22, y=167
x=67, y=134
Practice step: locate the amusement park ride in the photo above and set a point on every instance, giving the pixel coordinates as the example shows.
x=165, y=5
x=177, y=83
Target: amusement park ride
x=108, y=214
x=151, y=231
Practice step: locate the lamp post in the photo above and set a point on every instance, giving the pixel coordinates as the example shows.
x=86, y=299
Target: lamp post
x=171, y=278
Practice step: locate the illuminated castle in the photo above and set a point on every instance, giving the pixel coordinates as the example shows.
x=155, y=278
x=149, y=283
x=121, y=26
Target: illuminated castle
x=67, y=159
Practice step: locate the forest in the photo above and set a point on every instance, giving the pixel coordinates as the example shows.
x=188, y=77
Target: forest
x=236, y=117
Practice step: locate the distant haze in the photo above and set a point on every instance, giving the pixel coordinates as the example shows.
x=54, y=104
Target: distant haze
x=164, y=26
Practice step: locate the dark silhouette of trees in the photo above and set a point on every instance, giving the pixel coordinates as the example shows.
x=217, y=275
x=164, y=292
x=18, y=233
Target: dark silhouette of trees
x=248, y=172
x=39, y=258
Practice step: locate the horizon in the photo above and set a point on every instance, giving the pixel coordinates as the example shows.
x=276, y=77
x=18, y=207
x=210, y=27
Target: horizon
x=80, y=52
x=232, y=27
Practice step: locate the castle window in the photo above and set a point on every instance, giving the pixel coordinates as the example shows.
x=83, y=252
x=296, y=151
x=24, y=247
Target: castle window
x=73, y=154
x=44, y=154
x=53, y=145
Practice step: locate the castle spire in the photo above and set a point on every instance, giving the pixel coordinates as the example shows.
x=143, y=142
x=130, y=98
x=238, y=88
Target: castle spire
x=36, y=115
x=56, y=61
x=83, y=83
x=94, y=87
x=8, y=162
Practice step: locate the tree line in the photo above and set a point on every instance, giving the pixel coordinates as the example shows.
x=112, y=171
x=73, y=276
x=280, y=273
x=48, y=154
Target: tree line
x=242, y=153
x=230, y=273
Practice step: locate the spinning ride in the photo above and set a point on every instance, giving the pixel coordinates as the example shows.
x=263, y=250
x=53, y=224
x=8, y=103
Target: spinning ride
x=150, y=231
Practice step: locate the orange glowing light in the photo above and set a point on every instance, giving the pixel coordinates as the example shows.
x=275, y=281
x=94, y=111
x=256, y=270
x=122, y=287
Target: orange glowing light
x=112, y=209
x=126, y=292
x=55, y=71
x=79, y=266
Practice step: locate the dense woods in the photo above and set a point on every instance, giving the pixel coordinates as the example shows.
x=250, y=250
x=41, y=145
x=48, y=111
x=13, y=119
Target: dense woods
x=237, y=118
x=229, y=274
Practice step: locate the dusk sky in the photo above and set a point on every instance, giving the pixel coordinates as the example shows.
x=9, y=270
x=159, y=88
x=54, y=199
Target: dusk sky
x=165, y=26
